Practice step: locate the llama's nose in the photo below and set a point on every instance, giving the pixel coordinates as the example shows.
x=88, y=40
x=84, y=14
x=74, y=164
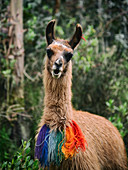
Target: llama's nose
x=58, y=62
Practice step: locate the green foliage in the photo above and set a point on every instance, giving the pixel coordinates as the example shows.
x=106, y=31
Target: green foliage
x=7, y=67
x=6, y=145
x=118, y=116
x=22, y=159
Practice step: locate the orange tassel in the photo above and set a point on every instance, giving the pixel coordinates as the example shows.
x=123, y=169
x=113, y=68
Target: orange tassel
x=75, y=140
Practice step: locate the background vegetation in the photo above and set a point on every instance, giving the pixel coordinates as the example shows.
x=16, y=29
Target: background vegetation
x=100, y=69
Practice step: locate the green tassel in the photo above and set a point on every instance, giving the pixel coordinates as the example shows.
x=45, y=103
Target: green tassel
x=59, y=144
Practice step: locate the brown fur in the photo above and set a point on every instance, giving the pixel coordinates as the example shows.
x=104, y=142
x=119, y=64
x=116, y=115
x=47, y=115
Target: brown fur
x=57, y=101
x=105, y=150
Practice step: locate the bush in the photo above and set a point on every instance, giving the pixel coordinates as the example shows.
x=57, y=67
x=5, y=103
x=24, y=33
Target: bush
x=7, y=147
x=22, y=159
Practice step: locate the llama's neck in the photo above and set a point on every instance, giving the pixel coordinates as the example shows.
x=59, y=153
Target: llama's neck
x=57, y=101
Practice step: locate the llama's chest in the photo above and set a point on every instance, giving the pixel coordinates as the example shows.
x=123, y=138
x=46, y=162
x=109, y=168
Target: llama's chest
x=53, y=147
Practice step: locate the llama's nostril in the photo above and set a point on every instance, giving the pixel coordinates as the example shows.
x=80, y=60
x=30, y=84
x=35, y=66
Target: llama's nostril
x=56, y=71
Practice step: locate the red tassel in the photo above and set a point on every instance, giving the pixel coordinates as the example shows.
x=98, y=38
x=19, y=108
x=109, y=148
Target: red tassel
x=75, y=140
x=80, y=139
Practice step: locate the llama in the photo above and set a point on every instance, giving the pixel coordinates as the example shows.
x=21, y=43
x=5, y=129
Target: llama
x=69, y=139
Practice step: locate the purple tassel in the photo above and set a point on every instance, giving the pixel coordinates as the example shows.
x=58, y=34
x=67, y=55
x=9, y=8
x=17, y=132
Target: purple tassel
x=44, y=155
x=41, y=149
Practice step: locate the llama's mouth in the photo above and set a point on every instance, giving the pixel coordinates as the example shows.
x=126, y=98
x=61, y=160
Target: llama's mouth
x=56, y=73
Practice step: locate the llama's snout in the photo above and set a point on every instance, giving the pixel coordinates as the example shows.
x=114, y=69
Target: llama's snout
x=57, y=68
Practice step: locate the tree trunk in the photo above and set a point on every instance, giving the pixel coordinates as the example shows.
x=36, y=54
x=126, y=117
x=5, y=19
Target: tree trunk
x=57, y=6
x=21, y=128
x=18, y=50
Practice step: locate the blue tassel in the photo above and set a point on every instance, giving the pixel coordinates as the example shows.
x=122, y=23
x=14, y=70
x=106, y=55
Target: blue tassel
x=56, y=141
x=52, y=147
x=48, y=147
x=44, y=155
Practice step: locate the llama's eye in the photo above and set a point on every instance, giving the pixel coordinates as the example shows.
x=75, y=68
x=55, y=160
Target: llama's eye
x=49, y=53
x=68, y=56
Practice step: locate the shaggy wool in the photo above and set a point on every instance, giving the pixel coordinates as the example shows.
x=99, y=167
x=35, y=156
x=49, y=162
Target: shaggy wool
x=54, y=146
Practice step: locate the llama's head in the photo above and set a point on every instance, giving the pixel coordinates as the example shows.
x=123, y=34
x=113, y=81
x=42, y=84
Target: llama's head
x=60, y=52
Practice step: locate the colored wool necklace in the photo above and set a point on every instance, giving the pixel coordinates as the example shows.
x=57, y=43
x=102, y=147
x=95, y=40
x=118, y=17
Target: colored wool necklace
x=52, y=147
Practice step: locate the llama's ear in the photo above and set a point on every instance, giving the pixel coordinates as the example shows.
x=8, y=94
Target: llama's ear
x=50, y=32
x=76, y=37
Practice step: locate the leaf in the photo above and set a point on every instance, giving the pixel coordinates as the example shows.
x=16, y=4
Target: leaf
x=4, y=165
x=27, y=158
x=60, y=30
x=27, y=146
x=28, y=150
x=30, y=162
x=6, y=72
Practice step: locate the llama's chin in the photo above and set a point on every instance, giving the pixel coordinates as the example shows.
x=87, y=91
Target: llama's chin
x=56, y=75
